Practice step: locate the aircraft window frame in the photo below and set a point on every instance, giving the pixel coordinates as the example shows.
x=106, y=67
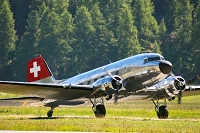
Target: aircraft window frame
x=145, y=60
x=150, y=59
x=162, y=58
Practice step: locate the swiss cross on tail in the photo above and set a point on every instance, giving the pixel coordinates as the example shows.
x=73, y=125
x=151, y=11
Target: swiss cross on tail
x=37, y=69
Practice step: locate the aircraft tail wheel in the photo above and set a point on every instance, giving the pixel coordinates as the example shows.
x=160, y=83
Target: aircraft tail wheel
x=50, y=113
x=162, y=112
x=100, y=111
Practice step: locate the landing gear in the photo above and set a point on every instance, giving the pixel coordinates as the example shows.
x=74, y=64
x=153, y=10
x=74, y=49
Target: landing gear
x=162, y=112
x=161, y=109
x=99, y=109
x=50, y=112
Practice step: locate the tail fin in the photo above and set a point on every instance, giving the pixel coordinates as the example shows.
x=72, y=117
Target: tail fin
x=38, y=71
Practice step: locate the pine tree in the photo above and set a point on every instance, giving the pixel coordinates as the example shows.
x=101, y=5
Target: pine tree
x=102, y=40
x=127, y=33
x=183, y=25
x=84, y=32
x=177, y=47
x=195, y=42
x=21, y=10
x=148, y=28
x=111, y=10
x=7, y=37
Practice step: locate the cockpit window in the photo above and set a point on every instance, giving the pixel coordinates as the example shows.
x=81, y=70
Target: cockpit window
x=153, y=58
x=162, y=58
x=146, y=60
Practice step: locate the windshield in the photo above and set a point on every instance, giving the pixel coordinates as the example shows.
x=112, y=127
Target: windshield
x=149, y=59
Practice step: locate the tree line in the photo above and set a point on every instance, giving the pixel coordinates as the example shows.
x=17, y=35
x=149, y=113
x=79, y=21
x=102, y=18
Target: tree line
x=76, y=36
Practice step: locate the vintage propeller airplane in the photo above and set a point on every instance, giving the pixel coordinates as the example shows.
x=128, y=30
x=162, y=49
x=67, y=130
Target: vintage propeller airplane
x=134, y=74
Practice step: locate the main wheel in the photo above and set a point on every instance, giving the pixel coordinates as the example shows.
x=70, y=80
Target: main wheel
x=162, y=112
x=100, y=111
x=50, y=113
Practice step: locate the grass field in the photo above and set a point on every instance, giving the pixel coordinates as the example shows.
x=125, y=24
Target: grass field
x=134, y=116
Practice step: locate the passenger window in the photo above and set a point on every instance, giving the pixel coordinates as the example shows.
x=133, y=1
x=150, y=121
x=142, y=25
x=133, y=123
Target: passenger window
x=145, y=60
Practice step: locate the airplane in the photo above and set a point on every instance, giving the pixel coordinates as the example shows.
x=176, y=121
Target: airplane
x=133, y=74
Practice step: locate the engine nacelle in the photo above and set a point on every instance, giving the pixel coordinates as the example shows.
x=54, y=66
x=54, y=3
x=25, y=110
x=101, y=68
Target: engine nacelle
x=170, y=87
x=179, y=83
x=109, y=84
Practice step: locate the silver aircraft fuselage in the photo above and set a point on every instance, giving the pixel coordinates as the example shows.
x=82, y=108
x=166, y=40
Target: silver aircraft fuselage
x=137, y=72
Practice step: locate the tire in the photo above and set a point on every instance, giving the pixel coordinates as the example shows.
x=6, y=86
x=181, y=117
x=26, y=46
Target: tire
x=100, y=111
x=49, y=113
x=163, y=112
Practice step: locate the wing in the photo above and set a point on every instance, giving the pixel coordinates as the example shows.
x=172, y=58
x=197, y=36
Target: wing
x=47, y=90
x=191, y=90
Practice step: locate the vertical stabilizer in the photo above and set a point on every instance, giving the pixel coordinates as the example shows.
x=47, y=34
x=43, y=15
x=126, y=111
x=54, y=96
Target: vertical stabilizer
x=38, y=71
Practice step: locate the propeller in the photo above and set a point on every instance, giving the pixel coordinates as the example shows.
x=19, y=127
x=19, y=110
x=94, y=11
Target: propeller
x=116, y=96
x=118, y=82
x=179, y=96
x=180, y=86
x=188, y=81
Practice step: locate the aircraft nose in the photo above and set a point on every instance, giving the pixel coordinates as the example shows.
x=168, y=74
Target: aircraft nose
x=165, y=66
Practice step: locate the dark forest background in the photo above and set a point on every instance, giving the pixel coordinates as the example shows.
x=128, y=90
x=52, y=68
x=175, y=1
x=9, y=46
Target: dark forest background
x=79, y=35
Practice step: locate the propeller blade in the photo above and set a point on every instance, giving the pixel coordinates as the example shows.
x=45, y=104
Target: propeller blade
x=181, y=83
x=174, y=76
x=179, y=96
x=180, y=88
x=110, y=74
x=116, y=95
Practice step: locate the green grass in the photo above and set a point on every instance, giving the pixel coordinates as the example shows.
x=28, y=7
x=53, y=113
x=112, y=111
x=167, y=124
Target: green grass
x=134, y=116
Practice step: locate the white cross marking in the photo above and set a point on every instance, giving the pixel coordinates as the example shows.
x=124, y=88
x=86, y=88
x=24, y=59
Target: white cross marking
x=35, y=69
